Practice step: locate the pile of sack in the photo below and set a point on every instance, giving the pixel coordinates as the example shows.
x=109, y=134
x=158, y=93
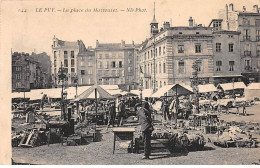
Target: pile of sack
x=234, y=137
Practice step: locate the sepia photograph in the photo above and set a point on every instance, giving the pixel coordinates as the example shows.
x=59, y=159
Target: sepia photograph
x=140, y=82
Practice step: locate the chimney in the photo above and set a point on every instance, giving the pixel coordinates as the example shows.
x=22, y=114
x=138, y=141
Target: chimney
x=97, y=43
x=122, y=43
x=161, y=29
x=227, y=21
x=133, y=43
x=166, y=25
x=231, y=7
x=244, y=8
x=256, y=9
x=191, y=22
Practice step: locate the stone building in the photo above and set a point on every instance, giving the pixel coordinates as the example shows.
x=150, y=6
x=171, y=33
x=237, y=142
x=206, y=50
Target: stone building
x=65, y=53
x=115, y=64
x=226, y=53
x=86, y=67
x=248, y=23
x=26, y=72
x=167, y=56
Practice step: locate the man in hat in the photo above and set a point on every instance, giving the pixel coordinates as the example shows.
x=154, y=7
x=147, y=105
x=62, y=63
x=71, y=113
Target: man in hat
x=145, y=120
x=121, y=112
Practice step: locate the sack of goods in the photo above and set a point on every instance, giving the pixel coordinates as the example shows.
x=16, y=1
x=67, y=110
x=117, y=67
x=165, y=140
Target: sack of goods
x=234, y=137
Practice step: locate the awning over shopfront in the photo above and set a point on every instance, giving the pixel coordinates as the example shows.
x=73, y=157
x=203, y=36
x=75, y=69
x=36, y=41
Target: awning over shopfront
x=207, y=88
x=232, y=86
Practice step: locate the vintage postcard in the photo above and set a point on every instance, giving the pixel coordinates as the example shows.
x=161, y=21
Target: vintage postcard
x=140, y=82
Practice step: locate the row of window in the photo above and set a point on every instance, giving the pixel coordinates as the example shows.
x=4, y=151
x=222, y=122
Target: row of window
x=157, y=84
x=111, y=72
x=111, y=81
x=158, y=52
x=113, y=64
x=72, y=54
x=219, y=65
x=160, y=68
x=113, y=55
x=230, y=47
x=246, y=22
x=85, y=72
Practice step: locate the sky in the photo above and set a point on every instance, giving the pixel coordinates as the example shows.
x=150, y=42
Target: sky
x=33, y=31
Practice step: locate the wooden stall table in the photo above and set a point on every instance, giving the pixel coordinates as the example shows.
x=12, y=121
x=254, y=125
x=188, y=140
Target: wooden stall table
x=123, y=133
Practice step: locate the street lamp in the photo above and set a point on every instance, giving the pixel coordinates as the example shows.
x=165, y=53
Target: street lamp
x=76, y=85
x=195, y=83
x=62, y=77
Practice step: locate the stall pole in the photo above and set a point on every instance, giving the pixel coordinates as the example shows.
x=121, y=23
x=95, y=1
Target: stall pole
x=96, y=107
x=24, y=101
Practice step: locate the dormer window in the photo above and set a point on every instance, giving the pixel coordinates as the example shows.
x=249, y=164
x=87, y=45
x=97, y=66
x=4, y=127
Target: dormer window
x=180, y=32
x=197, y=32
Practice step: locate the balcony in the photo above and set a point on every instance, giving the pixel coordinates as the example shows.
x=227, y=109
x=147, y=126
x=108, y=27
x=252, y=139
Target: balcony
x=247, y=53
x=257, y=38
x=246, y=38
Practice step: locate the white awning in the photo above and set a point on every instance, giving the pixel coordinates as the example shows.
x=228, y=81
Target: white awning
x=180, y=88
x=114, y=92
x=145, y=92
x=207, y=88
x=71, y=91
x=109, y=87
x=231, y=86
x=253, y=86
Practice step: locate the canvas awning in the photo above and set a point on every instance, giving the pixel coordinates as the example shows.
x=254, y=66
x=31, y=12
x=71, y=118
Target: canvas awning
x=110, y=87
x=172, y=90
x=90, y=94
x=71, y=91
x=19, y=95
x=232, y=86
x=145, y=92
x=207, y=88
x=114, y=92
x=253, y=86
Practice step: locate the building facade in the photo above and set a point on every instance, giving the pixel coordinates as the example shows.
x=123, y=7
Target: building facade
x=248, y=23
x=86, y=67
x=115, y=64
x=167, y=56
x=226, y=54
x=27, y=72
x=64, y=53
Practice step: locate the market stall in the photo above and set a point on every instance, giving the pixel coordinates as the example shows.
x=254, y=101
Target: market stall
x=252, y=91
x=98, y=114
